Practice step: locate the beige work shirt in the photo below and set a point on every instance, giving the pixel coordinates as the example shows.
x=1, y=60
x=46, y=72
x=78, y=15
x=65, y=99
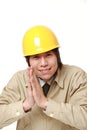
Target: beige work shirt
x=67, y=102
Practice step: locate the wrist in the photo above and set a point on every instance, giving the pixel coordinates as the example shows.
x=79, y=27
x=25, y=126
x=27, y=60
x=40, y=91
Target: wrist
x=28, y=110
x=26, y=106
x=44, y=106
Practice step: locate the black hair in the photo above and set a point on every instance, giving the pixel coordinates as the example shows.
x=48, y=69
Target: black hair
x=57, y=53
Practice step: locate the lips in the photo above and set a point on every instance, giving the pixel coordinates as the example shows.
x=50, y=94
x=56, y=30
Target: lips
x=45, y=71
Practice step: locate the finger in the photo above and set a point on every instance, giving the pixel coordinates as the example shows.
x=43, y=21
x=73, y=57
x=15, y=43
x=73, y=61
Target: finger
x=32, y=75
x=29, y=81
x=28, y=72
x=34, y=81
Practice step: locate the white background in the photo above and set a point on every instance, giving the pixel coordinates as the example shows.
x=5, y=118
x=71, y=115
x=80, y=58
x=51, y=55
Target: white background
x=67, y=18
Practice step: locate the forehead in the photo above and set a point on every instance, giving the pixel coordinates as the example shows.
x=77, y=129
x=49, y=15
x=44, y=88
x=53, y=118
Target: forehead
x=44, y=53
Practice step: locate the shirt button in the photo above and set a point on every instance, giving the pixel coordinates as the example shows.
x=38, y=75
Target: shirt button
x=51, y=114
x=17, y=113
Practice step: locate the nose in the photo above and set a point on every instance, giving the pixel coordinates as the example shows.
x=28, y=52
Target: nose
x=43, y=61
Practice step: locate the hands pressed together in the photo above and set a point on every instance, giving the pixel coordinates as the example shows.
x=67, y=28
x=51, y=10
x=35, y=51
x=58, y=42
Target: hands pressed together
x=35, y=93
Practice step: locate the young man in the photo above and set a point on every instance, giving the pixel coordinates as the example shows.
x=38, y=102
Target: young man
x=48, y=95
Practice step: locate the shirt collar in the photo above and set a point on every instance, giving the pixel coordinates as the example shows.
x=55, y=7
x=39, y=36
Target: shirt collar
x=42, y=82
x=59, y=79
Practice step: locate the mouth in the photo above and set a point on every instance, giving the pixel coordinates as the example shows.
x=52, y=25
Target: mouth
x=45, y=71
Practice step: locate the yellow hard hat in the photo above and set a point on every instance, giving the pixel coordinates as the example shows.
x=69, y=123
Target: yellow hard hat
x=39, y=39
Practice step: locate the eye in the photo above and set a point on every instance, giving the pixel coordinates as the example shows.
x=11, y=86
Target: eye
x=49, y=54
x=35, y=57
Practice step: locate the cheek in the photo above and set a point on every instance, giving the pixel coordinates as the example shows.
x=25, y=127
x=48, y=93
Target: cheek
x=55, y=65
x=54, y=62
x=33, y=63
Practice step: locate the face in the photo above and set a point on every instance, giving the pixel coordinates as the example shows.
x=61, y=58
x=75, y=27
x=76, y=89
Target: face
x=44, y=65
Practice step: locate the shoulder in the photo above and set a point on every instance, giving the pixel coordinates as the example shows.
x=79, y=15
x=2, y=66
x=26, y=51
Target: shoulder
x=73, y=71
x=20, y=75
x=72, y=68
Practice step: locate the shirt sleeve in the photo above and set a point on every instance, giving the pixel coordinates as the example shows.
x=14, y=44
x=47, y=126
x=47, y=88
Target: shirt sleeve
x=10, y=113
x=73, y=112
x=11, y=108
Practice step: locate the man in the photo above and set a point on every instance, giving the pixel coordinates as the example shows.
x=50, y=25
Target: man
x=48, y=95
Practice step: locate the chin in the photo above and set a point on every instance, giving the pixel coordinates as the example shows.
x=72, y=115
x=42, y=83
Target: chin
x=46, y=79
